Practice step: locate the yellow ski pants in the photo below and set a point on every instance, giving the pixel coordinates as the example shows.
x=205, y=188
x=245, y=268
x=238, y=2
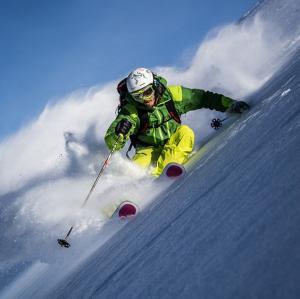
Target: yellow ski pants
x=177, y=149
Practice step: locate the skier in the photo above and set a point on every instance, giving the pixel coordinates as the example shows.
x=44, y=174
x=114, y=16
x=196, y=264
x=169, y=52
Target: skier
x=149, y=114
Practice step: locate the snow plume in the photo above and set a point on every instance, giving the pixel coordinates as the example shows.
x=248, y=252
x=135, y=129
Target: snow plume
x=63, y=133
x=235, y=59
x=48, y=166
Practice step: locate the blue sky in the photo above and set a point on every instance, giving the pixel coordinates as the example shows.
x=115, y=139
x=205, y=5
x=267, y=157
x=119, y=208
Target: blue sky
x=51, y=48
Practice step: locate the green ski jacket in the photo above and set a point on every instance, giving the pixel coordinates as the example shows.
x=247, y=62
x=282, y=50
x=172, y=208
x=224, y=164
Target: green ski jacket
x=161, y=125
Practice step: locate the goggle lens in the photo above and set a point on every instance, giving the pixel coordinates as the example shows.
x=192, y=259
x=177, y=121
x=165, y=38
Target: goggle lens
x=143, y=95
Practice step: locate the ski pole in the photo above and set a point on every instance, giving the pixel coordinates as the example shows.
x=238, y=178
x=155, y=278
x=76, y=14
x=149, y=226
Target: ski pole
x=64, y=242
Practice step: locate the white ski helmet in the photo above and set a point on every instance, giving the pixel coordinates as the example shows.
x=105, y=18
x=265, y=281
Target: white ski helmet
x=139, y=79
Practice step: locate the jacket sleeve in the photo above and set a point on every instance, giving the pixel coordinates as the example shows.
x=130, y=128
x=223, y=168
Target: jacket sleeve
x=128, y=112
x=187, y=99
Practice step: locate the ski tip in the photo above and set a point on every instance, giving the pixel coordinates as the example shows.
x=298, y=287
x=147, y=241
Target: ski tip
x=127, y=210
x=174, y=170
x=63, y=243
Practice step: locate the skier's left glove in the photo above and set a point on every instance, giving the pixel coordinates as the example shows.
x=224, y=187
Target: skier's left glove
x=238, y=107
x=123, y=127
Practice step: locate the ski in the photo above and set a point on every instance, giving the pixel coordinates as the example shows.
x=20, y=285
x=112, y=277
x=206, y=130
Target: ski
x=174, y=171
x=126, y=210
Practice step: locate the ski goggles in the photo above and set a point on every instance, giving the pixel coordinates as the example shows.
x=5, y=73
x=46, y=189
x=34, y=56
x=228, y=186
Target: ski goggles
x=144, y=94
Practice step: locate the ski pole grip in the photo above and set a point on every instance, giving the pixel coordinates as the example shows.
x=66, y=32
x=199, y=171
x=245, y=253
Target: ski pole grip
x=120, y=138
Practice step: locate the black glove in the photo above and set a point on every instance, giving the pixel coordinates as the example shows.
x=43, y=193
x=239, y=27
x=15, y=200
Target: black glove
x=238, y=107
x=123, y=127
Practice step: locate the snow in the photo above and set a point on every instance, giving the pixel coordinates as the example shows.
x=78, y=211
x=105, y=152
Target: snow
x=286, y=92
x=228, y=229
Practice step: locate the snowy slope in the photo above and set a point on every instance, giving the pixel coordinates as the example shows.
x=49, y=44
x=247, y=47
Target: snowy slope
x=230, y=229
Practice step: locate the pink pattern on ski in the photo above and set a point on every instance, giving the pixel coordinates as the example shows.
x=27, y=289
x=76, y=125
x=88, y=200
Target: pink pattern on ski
x=127, y=209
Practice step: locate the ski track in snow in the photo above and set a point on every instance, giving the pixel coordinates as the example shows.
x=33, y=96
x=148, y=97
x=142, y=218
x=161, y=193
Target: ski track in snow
x=229, y=229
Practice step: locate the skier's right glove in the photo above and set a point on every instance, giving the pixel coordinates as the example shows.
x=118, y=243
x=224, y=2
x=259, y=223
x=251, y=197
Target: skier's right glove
x=238, y=107
x=123, y=127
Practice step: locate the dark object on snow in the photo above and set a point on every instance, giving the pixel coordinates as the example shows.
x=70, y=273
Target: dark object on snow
x=216, y=123
x=239, y=107
x=63, y=243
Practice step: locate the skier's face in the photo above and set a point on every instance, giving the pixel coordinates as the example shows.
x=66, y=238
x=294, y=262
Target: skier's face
x=150, y=102
x=145, y=96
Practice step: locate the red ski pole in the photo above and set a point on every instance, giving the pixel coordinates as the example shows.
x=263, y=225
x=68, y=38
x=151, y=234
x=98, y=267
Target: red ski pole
x=64, y=242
